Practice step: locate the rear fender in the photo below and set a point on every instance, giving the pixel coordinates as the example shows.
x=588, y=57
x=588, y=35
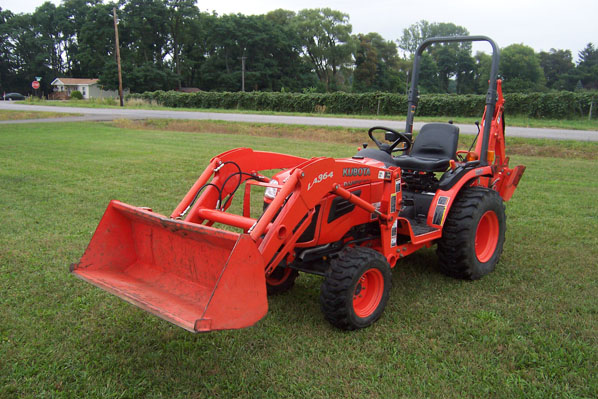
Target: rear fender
x=443, y=200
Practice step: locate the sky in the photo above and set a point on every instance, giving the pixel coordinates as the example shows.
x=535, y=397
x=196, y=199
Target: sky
x=540, y=24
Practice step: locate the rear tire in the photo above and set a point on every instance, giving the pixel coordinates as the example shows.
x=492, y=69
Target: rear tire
x=281, y=280
x=357, y=288
x=473, y=234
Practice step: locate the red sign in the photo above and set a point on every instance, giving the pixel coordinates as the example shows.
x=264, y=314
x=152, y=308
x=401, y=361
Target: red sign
x=35, y=84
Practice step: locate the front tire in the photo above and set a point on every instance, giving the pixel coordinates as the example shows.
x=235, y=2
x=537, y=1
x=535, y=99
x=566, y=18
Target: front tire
x=281, y=280
x=473, y=234
x=357, y=288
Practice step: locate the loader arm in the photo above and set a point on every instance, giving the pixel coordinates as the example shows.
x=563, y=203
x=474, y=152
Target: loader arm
x=202, y=278
x=193, y=275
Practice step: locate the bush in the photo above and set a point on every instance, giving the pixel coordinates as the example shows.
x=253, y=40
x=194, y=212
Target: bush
x=557, y=105
x=76, y=94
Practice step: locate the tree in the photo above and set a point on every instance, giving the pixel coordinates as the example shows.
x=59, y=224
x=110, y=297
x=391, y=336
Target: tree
x=270, y=47
x=520, y=69
x=45, y=28
x=6, y=52
x=74, y=17
x=143, y=34
x=95, y=44
x=196, y=47
x=453, y=60
x=326, y=41
x=143, y=31
x=558, y=69
x=588, y=67
x=589, y=54
x=428, y=75
x=46, y=20
x=169, y=43
x=366, y=62
x=180, y=15
x=483, y=64
x=377, y=65
x=465, y=72
x=29, y=53
x=295, y=71
x=414, y=35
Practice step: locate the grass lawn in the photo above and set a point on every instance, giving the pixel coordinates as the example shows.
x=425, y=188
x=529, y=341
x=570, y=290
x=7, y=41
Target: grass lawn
x=526, y=330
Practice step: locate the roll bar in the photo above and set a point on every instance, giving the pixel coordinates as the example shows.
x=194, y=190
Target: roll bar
x=413, y=97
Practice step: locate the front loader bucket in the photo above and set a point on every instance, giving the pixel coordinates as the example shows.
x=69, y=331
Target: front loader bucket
x=197, y=277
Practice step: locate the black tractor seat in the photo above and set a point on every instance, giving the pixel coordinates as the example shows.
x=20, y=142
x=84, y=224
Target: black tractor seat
x=432, y=150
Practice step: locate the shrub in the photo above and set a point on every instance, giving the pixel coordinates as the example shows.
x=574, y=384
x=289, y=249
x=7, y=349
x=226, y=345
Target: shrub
x=76, y=94
x=557, y=105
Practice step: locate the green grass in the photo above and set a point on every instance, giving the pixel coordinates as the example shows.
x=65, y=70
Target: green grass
x=526, y=330
x=512, y=120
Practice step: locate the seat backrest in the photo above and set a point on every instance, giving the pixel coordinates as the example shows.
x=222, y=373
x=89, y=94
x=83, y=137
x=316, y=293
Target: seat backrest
x=436, y=141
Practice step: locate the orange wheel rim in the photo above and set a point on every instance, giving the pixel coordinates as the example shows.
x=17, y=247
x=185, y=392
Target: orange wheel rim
x=486, y=236
x=279, y=278
x=368, y=292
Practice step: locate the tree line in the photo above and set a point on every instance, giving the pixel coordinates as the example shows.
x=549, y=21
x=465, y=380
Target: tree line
x=171, y=44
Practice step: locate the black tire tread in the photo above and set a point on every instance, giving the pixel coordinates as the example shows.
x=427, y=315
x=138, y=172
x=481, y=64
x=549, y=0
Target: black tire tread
x=339, y=285
x=455, y=248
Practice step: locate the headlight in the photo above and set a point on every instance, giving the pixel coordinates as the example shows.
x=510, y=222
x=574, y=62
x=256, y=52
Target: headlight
x=271, y=191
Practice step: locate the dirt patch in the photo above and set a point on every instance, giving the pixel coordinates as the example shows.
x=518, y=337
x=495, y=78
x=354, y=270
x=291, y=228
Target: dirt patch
x=23, y=115
x=553, y=151
x=309, y=133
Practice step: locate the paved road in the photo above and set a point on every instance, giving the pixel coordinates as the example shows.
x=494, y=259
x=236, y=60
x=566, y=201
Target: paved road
x=106, y=114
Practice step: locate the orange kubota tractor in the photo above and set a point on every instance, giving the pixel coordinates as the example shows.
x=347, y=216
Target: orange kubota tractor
x=349, y=220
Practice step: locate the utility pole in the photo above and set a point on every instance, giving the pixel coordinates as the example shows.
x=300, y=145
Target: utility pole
x=120, y=78
x=243, y=73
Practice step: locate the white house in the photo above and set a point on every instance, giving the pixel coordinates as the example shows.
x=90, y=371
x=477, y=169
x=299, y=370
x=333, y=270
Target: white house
x=89, y=88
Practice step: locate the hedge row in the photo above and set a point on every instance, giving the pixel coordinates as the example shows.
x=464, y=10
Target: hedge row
x=557, y=105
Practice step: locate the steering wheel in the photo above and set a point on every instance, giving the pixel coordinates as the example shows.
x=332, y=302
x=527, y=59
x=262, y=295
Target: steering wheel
x=390, y=148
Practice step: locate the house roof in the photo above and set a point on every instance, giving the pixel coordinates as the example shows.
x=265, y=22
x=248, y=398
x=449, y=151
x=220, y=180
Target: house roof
x=74, y=81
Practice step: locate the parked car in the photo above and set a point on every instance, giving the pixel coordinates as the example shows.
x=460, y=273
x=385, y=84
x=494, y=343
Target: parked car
x=12, y=97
